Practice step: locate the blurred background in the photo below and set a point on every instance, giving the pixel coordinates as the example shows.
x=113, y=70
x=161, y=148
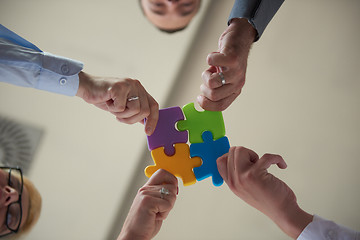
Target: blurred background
x=301, y=100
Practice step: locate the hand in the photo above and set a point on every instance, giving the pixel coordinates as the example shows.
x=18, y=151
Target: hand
x=150, y=208
x=247, y=176
x=234, y=47
x=112, y=94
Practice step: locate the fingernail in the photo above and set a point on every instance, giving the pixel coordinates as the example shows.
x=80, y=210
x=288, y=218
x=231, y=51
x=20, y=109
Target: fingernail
x=220, y=165
x=148, y=131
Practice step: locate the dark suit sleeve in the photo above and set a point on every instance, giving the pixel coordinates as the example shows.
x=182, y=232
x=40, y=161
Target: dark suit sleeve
x=258, y=12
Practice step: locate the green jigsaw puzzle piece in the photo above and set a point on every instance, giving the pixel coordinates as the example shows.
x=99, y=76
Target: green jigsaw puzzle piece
x=198, y=122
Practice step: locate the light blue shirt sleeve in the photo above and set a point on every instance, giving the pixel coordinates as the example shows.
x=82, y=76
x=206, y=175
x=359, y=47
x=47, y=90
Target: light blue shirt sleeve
x=322, y=229
x=258, y=12
x=24, y=64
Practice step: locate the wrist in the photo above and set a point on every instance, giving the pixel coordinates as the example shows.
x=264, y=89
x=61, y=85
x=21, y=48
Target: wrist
x=246, y=32
x=128, y=235
x=293, y=221
x=82, y=80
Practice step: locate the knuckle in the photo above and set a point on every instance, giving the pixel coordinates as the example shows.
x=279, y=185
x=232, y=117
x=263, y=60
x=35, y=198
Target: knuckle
x=136, y=82
x=267, y=156
x=213, y=96
x=209, y=59
x=221, y=106
x=119, y=107
x=145, y=112
x=238, y=86
x=142, y=190
x=204, y=75
x=145, y=198
x=239, y=149
x=203, y=88
x=249, y=177
x=126, y=120
x=154, y=106
x=122, y=83
x=213, y=83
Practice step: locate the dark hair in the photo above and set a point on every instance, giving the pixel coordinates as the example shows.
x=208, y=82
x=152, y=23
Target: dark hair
x=171, y=30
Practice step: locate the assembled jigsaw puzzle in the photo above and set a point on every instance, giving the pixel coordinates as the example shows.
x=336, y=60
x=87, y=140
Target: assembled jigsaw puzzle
x=205, y=131
x=180, y=164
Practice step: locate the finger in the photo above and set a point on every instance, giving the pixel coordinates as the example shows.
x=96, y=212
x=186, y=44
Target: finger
x=219, y=60
x=143, y=107
x=214, y=80
x=220, y=105
x=102, y=106
x=231, y=174
x=118, y=97
x=128, y=116
x=134, y=103
x=121, y=117
x=132, y=109
x=136, y=110
x=153, y=117
x=159, y=204
x=162, y=176
x=164, y=206
x=268, y=159
x=206, y=75
x=217, y=94
x=156, y=190
x=222, y=165
x=244, y=158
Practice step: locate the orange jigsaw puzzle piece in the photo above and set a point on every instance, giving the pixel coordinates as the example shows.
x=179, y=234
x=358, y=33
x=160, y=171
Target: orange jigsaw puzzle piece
x=180, y=164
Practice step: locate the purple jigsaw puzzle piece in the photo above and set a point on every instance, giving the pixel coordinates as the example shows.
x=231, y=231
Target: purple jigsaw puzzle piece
x=209, y=151
x=165, y=134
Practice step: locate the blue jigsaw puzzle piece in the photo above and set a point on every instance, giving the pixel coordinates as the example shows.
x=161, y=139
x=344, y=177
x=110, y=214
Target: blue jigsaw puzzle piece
x=209, y=151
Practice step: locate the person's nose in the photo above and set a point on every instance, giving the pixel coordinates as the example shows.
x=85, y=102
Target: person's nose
x=8, y=196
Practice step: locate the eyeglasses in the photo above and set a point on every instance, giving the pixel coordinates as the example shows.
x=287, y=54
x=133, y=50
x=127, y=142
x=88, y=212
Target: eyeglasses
x=14, y=210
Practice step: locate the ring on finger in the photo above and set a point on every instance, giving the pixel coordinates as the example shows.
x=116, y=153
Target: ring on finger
x=133, y=98
x=163, y=192
x=223, y=82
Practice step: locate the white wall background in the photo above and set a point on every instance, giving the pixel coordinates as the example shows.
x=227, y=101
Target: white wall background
x=301, y=100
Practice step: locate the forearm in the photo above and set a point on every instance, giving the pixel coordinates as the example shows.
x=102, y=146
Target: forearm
x=125, y=235
x=24, y=64
x=292, y=220
x=44, y=71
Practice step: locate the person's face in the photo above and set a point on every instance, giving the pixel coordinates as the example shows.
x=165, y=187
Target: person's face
x=10, y=195
x=170, y=14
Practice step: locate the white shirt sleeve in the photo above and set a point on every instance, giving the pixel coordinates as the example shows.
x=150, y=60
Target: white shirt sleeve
x=28, y=67
x=322, y=229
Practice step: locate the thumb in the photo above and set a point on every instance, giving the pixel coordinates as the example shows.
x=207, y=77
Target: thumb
x=222, y=166
x=218, y=59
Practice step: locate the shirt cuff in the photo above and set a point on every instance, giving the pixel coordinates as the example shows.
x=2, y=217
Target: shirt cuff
x=59, y=75
x=258, y=12
x=322, y=229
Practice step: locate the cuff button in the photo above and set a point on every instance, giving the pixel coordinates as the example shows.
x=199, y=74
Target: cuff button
x=62, y=81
